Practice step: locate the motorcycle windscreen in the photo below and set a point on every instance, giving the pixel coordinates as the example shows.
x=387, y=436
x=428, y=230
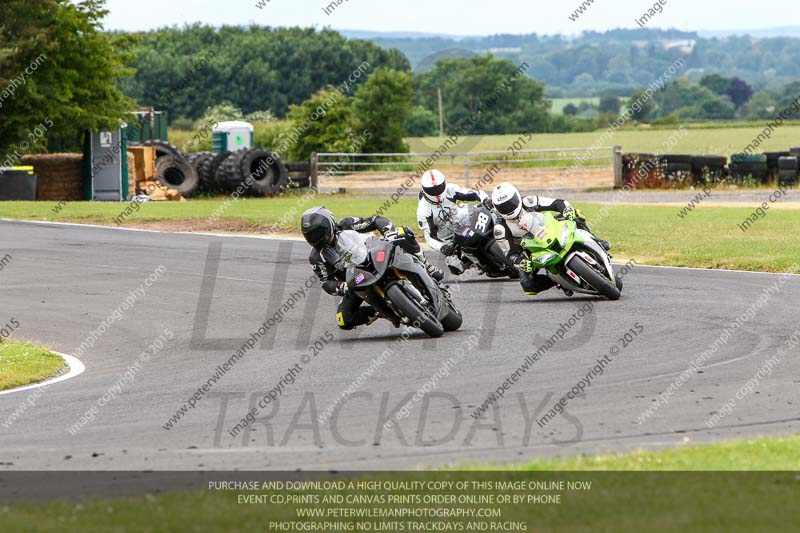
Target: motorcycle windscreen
x=381, y=255
x=352, y=249
x=534, y=224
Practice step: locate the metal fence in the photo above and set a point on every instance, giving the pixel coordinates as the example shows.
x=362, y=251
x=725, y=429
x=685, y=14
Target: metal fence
x=552, y=169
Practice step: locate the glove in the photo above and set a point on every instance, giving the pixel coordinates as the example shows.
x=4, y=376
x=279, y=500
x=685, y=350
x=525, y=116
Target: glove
x=345, y=224
x=569, y=213
x=390, y=232
x=342, y=289
x=448, y=250
x=525, y=266
x=487, y=203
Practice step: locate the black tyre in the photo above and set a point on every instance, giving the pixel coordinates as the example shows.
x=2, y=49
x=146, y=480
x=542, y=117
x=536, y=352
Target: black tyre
x=298, y=166
x=263, y=171
x=676, y=159
x=176, y=173
x=228, y=177
x=163, y=148
x=788, y=177
x=709, y=161
x=774, y=157
x=214, y=167
x=759, y=171
x=202, y=165
x=453, y=320
x=414, y=312
x=676, y=169
x=602, y=284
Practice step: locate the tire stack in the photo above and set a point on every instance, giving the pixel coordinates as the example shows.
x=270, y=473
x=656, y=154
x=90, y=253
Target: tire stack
x=202, y=165
x=744, y=166
x=299, y=174
x=708, y=168
x=677, y=168
x=788, y=168
x=254, y=172
x=773, y=158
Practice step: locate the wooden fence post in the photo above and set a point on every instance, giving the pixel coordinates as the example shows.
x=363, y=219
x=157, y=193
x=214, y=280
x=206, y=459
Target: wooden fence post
x=618, y=178
x=313, y=181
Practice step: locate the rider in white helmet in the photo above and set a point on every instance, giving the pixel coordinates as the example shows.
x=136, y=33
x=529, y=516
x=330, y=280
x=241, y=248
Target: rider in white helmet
x=435, y=214
x=510, y=205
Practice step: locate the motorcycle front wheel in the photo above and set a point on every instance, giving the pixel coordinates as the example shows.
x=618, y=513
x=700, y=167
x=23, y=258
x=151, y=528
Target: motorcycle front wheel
x=410, y=309
x=602, y=284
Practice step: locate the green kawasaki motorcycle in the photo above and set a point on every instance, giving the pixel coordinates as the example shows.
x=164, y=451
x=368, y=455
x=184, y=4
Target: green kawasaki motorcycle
x=571, y=256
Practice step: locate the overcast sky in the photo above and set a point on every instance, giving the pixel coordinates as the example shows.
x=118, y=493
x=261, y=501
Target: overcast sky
x=454, y=17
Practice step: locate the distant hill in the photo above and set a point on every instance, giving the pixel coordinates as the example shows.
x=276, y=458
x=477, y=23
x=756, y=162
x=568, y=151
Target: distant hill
x=784, y=31
x=615, y=62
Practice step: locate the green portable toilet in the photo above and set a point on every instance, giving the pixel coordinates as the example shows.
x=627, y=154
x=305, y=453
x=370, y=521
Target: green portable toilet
x=232, y=136
x=105, y=165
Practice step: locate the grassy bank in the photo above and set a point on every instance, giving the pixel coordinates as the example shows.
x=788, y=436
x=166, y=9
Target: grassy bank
x=615, y=501
x=769, y=453
x=708, y=237
x=23, y=363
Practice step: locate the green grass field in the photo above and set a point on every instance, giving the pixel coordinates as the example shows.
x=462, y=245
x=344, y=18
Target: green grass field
x=634, y=501
x=699, y=139
x=22, y=363
x=652, y=234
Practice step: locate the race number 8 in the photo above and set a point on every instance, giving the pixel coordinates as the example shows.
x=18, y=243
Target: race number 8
x=483, y=220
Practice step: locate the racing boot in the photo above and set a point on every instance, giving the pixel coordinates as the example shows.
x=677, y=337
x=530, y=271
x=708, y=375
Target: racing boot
x=604, y=244
x=455, y=265
x=434, y=272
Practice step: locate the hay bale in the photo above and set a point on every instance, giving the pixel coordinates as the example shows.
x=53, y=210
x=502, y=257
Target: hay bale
x=60, y=176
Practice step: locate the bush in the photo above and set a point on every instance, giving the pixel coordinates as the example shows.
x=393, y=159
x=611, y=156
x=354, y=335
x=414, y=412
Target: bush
x=182, y=124
x=421, y=123
x=269, y=135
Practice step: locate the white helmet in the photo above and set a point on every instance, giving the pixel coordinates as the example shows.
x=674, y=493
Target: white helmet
x=507, y=201
x=434, y=184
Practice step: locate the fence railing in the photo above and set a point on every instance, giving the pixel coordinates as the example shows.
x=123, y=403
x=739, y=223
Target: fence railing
x=555, y=168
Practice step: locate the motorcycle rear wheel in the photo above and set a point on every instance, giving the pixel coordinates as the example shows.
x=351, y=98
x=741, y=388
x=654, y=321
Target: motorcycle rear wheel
x=414, y=312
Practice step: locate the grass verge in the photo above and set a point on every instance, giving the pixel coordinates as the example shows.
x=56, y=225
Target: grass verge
x=761, y=454
x=615, y=501
x=22, y=363
x=707, y=237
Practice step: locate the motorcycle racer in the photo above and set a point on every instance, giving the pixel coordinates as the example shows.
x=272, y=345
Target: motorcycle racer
x=321, y=230
x=437, y=214
x=511, y=207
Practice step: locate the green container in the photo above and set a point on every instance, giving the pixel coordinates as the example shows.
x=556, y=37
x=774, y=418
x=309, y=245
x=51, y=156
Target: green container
x=148, y=127
x=748, y=158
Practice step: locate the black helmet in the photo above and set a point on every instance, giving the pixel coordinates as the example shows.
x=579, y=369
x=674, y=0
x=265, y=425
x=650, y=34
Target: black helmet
x=318, y=226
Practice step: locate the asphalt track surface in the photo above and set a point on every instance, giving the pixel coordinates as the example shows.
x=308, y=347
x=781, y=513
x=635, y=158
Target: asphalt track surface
x=65, y=280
